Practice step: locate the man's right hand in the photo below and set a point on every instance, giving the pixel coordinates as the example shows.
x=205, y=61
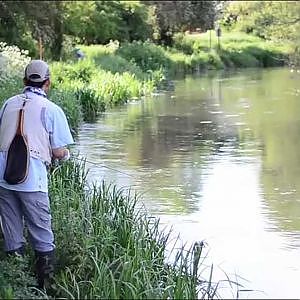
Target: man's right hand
x=61, y=153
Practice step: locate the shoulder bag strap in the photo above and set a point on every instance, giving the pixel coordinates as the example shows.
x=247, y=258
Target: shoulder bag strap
x=21, y=120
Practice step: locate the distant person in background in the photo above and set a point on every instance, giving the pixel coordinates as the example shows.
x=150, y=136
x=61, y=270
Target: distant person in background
x=79, y=54
x=46, y=133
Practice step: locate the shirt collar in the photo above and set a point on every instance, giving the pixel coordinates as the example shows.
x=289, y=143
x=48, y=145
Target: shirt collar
x=35, y=90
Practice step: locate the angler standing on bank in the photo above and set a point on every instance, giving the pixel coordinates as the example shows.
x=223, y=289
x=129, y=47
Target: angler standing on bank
x=33, y=131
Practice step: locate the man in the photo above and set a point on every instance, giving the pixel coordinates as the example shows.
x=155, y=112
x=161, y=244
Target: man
x=79, y=54
x=47, y=134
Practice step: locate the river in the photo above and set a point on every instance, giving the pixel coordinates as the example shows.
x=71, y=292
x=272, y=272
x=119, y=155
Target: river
x=217, y=158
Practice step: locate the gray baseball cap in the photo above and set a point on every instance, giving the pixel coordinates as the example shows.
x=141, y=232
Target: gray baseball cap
x=37, y=71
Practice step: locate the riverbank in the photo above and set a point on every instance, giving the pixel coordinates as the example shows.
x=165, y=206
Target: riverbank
x=198, y=52
x=106, y=248
x=108, y=76
x=193, y=52
x=113, y=74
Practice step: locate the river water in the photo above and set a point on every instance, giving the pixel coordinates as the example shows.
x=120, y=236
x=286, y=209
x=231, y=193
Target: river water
x=217, y=158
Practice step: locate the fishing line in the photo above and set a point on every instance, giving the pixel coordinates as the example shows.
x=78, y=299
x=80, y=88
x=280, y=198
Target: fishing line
x=101, y=165
x=83, y=159
x=141, y=191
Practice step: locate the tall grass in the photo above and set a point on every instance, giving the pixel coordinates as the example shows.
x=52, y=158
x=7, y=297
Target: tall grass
x=233, y=49
x=107, y=248
x=101, y=81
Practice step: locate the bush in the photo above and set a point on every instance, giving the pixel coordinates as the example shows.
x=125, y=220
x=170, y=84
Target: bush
x=116, y=88
x=184, y=44
x=236, y=50
x=92, y=103
x=67, y=99
x=82, y=70
x=9, y=88
x=146, y=55
x=12, y=62
x=15, y=279
x=117, y=64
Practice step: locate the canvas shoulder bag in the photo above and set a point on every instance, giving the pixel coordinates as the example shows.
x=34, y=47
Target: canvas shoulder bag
x=17, y=162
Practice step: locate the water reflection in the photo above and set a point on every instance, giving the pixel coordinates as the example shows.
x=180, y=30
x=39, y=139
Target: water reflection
x=218, y=158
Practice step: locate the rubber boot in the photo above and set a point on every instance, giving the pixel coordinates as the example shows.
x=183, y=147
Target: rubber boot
x=44, y=267
x=17, y=252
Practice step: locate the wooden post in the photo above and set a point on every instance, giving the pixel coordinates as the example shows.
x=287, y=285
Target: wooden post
x=40, y=47
x=218, y=33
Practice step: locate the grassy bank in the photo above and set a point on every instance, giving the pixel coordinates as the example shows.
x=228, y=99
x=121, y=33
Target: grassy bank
x=235, y=49
x=95, y=89
x=114, y=74
x=106, y=248
x=198, y=52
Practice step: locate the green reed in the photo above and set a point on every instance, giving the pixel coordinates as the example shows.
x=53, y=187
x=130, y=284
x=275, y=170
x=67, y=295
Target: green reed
x=106, y=248
x=93, y=87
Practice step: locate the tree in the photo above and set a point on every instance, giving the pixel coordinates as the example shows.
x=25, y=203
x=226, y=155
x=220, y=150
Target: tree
x=23, y=23
x=272, y=20
x=174, y=16
x=101, y=21
x=136, y=17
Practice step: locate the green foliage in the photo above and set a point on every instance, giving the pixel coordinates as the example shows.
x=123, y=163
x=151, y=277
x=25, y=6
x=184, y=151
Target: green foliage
x=104, y=81
x=82, y=71
x=136, y=18
x=92, y=103
x=236, y=50
x=117, y=64
x=68, y=49
x=23, y=24
x=12, y=62
x=146, y=55
x=108, y=249
x=121, y=20
x=71, y=22
x=67, y=100
x=83, y=17
x=16, y=279
x=68, y=23
x=270, y=20
x=170, y=17
x=106, y=58
x=116, y=88
x=93, y=51
x=10, y=88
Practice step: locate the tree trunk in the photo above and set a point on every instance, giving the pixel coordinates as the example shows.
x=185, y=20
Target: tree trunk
x=56, y=48
x=166, y=38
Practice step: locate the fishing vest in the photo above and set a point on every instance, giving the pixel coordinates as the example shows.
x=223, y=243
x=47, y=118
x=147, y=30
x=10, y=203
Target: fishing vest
x=34, y=126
